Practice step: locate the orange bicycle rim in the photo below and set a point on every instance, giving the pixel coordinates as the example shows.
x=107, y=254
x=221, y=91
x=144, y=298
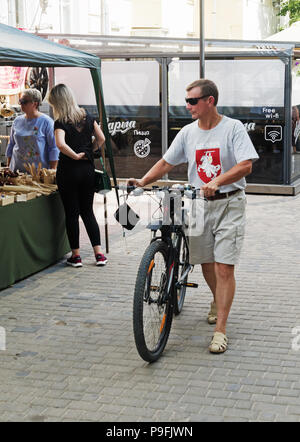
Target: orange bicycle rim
x=162, y=324
x=151, y=266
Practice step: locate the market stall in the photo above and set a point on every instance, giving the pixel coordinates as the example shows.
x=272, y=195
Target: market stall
x=33, y=237
x=32, y=232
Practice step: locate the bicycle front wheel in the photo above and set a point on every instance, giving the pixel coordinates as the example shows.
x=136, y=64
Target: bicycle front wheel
x=152, y=308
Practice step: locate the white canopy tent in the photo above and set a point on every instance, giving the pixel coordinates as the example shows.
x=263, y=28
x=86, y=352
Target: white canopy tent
x=291, y=34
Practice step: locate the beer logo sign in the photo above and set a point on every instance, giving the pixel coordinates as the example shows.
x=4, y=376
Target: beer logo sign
x=122, y=127
x=208, y=164
x=142, y=148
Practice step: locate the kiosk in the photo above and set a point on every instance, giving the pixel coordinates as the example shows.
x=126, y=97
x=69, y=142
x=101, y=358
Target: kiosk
x=144, y=82
x=32, y=233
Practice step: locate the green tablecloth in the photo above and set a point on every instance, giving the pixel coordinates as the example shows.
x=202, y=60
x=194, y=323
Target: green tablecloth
x=32, y=236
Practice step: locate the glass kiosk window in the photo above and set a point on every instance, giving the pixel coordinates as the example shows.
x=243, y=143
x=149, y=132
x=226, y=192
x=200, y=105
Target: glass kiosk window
x=251, y=91
x=295, y=166
x=131, y=95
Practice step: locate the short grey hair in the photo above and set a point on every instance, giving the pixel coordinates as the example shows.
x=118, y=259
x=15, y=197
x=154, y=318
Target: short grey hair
x=33, y=95
x=208, y=87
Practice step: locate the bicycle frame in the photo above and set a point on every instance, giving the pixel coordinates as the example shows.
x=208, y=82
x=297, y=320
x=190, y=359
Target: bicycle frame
x=161, y=278
x=166, y=236
x=166, y=233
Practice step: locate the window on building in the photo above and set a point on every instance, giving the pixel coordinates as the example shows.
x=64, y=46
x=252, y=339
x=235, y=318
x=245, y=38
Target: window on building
x=94, y=16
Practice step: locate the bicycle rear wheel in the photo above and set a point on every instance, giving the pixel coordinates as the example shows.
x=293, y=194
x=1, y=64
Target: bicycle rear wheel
x=180, y=268
x=152, y=309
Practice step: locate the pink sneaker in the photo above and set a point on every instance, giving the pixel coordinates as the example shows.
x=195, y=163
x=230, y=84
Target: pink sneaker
x=75, y=261
x=101, y=260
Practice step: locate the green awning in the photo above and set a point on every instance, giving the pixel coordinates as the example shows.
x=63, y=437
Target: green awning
x=19, y=48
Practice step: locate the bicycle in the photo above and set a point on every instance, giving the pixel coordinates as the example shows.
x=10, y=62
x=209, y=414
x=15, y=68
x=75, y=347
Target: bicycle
x=162, y=277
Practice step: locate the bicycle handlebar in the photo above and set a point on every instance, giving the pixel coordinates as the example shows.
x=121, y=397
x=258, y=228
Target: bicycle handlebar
x=179, y=187
x=187, y=190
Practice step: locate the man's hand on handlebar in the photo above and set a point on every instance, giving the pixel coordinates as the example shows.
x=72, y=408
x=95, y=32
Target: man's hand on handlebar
x=210, y=188
x=135, y=182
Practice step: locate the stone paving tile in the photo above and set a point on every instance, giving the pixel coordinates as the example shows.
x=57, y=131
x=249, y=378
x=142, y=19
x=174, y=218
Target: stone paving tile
x=70, y=353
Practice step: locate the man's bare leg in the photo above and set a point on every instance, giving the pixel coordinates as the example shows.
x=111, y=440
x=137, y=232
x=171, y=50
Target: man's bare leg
x=225, y=288
x=208, y=270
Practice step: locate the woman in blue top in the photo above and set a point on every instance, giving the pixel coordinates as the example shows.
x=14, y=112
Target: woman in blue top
x=32, y=136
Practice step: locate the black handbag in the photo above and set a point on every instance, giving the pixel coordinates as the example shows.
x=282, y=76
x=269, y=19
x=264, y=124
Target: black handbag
x=126, y=216
x=102, y=180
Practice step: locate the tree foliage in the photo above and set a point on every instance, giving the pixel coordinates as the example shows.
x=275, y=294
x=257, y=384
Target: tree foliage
x=291, y=7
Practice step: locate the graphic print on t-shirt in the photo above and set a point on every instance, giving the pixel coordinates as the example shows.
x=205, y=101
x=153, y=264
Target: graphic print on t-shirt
x=208, y=163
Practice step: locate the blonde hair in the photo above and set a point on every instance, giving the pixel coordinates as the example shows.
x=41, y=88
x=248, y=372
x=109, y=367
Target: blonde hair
x=33, y=95
x=65, y=108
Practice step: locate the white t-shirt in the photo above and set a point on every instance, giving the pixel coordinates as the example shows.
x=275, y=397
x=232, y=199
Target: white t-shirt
x=210, y=153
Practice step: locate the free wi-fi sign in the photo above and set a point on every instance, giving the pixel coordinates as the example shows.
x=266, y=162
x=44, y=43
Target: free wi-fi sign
x=273, y=133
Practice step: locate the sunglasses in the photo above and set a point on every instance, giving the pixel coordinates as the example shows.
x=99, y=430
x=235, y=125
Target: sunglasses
x=24, y=101
x=193, y=101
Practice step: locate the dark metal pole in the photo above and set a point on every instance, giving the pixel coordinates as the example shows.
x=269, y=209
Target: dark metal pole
x=287, y=131
x=164, y=105
x=202, y=45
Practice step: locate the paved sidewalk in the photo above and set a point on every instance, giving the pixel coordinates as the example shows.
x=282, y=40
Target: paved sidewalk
x=70, y=353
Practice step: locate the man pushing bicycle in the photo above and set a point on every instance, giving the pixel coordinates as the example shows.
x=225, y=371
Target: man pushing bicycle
x=219, y=154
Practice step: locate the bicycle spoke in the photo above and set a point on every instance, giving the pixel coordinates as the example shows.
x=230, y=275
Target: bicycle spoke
x=153, y=312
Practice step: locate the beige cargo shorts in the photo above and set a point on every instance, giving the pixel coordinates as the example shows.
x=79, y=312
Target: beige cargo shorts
x=224, y=229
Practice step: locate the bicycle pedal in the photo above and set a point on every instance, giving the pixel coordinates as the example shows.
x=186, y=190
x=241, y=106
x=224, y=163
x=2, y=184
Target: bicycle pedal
x=187, y=284
x=154, y=288
x=191, y=285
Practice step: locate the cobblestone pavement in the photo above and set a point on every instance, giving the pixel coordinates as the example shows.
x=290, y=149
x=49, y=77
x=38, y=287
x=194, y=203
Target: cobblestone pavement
x=70, y=353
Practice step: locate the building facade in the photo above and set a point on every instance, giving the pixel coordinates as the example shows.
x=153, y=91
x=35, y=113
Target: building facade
x=230, y=19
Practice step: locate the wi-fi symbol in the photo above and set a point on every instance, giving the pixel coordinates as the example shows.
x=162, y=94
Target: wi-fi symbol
x=273, y=135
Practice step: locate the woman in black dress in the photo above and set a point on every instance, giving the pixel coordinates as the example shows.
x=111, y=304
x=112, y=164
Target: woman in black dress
x=73, y=129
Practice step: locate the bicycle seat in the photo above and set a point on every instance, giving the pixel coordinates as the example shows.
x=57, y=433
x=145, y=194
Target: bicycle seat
x=155, y=225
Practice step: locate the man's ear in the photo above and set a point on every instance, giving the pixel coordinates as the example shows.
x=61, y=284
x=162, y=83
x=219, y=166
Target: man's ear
x=211, y=100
